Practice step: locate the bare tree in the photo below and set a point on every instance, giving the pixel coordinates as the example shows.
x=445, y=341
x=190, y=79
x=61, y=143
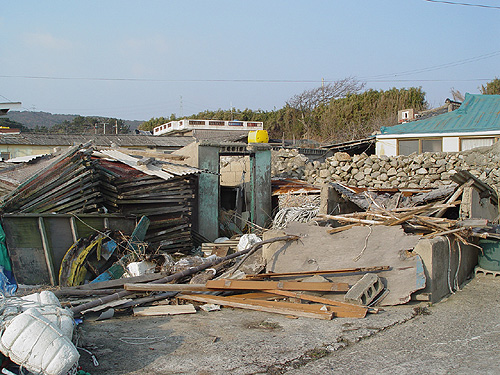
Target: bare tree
x=457, y=95
x=308, y=100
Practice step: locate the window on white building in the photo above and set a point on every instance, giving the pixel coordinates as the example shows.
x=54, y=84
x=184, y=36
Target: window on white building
x=409, y=146
x=469, y=143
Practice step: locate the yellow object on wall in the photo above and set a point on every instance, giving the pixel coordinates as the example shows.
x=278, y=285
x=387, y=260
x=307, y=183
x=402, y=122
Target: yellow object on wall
x=258, y=136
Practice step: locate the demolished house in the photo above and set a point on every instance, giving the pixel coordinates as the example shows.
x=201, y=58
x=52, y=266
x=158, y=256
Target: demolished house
x=113, y=233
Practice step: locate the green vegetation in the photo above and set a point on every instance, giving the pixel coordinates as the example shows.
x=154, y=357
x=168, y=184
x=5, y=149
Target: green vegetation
x=331, y=113
x=334, y=112
x=154, y=122
x=491, y=88
x=90, y=125
x=43, y=122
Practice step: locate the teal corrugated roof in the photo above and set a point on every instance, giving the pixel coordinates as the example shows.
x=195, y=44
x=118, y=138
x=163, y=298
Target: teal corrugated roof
x=477, y=113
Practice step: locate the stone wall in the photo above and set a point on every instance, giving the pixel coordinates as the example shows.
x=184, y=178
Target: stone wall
x=413, y=171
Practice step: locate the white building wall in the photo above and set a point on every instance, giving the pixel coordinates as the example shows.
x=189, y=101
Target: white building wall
x=451, y=144
x=386, y=146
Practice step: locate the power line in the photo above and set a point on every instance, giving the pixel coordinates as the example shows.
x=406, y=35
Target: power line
x=431, y=80
x=159, y=80
x=367, y=79
x=437, y=67
x=464, y=4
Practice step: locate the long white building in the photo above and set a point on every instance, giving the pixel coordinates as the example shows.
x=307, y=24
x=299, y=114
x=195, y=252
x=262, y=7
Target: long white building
x=186, y=125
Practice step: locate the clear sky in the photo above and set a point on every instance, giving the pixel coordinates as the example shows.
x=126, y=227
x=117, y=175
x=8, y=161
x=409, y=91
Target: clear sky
x=136, y=60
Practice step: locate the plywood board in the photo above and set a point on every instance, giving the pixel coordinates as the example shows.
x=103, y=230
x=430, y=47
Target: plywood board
x=360, y=246
x=164, y=310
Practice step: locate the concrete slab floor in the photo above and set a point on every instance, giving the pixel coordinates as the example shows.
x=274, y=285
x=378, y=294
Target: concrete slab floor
x=459, y=336
x=230, y=341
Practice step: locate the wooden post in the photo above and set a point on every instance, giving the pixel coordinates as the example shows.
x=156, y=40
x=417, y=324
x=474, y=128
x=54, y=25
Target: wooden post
x=46, y=250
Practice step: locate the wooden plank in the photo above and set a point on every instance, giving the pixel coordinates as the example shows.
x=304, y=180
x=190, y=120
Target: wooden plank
x=74, y=229
x=341, y=309
x=341, y=229
x=321, y=272
x=167, y=287
x=47, y=252
x=164, y=310
x=227, y=284
x=285, y=308
x=349, y=219
x=256, y=295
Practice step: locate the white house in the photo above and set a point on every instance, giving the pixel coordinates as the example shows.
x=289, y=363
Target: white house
x=476, y=123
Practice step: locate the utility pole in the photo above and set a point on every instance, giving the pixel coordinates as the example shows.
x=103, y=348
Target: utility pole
x=116, y=126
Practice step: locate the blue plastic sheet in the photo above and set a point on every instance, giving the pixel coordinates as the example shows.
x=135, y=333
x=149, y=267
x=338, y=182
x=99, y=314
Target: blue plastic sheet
x=8, y=285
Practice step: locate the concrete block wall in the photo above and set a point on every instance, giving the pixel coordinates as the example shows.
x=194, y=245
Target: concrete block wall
x=445, y=268
x=232, y=169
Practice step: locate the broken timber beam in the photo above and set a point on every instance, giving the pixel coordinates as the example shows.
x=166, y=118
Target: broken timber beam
x=228, y=284
x=349, y=219
x=323, y=272
x=341, y=309
x=285, y=308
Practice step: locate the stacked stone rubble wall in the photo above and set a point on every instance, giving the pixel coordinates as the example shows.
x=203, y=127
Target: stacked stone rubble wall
x=427, y=170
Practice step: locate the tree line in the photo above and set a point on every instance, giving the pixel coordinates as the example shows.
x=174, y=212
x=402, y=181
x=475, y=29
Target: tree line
x=78, y=125
x=334, y=112
x=339, y=111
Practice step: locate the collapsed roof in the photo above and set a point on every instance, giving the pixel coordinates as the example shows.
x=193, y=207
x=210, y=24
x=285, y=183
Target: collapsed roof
x=85, y=180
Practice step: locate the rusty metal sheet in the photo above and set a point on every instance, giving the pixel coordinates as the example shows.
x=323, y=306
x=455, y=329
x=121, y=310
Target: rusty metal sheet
x=293, y=186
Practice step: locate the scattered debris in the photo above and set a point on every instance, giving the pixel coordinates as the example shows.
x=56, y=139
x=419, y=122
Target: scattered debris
x=322, y=259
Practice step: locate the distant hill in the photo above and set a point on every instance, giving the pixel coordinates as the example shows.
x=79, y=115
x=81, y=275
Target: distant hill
x=32, y=119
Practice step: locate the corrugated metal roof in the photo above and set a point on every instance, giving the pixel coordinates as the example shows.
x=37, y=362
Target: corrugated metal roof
x=25, y=159
x=166, y=171
x=120, y=140
x=477, y=113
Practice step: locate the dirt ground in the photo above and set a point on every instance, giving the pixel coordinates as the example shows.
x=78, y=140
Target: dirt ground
x=249, y=342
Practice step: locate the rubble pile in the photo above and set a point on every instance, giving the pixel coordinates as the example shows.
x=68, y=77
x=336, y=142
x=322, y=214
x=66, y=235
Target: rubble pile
x=428, y=170
x=342, y=251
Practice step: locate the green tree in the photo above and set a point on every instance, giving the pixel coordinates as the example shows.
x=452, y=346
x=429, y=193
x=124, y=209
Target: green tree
x=359, y=115
x=154, y=122
x=91, y=125
x=491, y=88
x=307, y=102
